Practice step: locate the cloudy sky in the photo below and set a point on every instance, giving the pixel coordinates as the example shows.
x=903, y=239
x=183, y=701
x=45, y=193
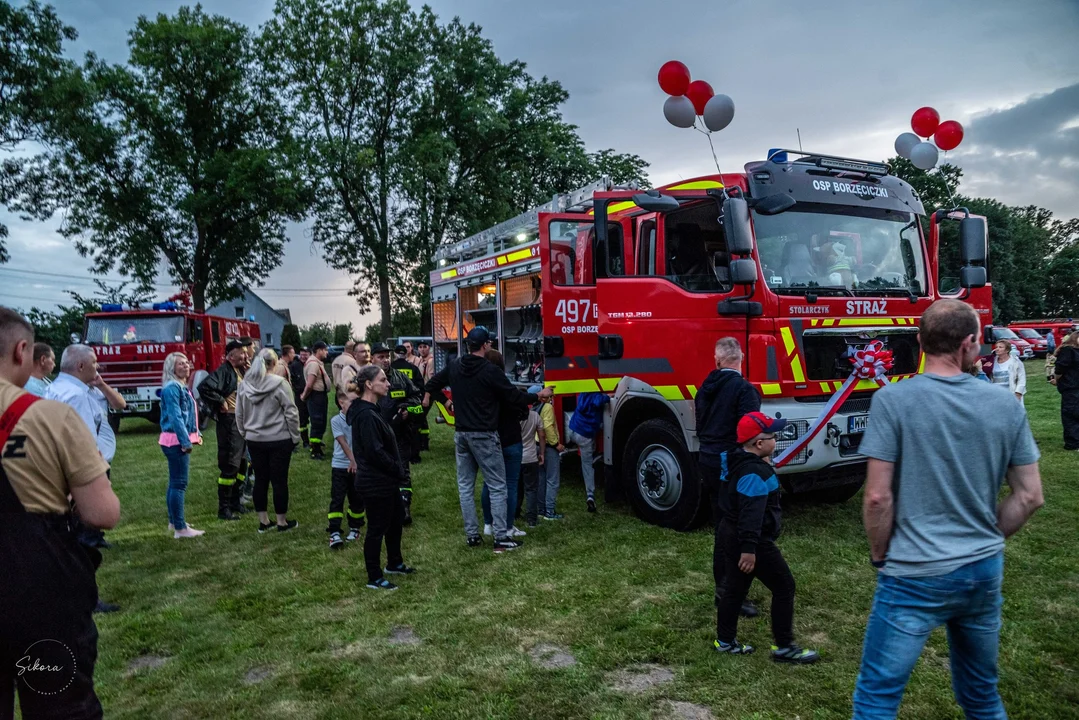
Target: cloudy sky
x=848, y=75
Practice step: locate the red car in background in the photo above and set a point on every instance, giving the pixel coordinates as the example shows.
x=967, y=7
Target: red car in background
x=995, y=333
x=1036, y=340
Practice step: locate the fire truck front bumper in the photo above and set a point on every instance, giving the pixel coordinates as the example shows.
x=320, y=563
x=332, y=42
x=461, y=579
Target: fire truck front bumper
x=835, y=445
x=140, y=400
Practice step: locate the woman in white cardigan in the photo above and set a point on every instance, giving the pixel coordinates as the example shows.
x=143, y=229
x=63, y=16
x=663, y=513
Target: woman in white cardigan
x=1008, y=370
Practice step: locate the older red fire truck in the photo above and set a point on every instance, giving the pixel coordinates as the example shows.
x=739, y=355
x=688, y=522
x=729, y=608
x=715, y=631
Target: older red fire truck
x=805, y=259
x=131, y=346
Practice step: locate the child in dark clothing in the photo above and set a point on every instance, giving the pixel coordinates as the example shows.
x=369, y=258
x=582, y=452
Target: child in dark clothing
x=750, y=524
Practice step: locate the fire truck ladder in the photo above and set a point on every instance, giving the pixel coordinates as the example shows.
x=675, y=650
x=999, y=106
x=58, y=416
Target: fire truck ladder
x=524, y=227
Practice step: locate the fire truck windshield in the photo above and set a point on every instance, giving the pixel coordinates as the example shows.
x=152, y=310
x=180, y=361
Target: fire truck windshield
x=846, y=250
x=125, y=330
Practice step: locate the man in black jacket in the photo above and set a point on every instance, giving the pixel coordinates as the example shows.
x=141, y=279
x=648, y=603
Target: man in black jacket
x=399, y=408
x=295, y=375
x=402, y=364
x=218, y=390
x=750, y=523
x=479, y=390
x=725, y=396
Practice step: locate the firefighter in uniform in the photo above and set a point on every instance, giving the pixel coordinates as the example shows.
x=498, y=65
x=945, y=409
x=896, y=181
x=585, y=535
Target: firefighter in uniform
x=425, y=370
x=316, y=394
x=401, y=406
x=218, y=389
x=403, y=364
x=295, y=375
x=48, y=640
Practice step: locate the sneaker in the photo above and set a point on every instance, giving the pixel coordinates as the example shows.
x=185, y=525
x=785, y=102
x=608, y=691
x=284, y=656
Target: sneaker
x=475, y=541
x=289, y=525
x=553, y=516
x=591, y=505
x=336, y=543
x=226, y=515
x=488, y=530
x=794, y=654
x=516, y=532
x=381, y=584
x=187, y=532
x=353, y=535
x=266, y=527
x=401, y=569
x=734, y=648
x=507, y=544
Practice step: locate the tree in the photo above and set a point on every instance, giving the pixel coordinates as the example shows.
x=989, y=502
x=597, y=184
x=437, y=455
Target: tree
x=290, y=335
x=32, y=95
x=314, y=332
x=936, y=187
x=56, y=327
x=342, y=334
x=1062, y=279
x=182, y=155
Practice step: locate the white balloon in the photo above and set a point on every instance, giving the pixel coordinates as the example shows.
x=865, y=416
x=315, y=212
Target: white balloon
x=924, y=155
x=679, y=111
x=718, y=112
x=905, y=143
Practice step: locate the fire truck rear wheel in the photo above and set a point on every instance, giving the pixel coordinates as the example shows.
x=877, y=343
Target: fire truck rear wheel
x=659, y=476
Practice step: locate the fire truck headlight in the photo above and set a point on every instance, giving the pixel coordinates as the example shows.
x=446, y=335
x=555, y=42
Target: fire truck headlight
x=788, y=433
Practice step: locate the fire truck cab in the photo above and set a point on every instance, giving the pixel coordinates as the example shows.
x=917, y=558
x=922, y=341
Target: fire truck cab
x=625, y=292
x=131, y=346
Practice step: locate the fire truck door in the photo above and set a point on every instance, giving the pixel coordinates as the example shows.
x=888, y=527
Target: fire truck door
x=569, y=308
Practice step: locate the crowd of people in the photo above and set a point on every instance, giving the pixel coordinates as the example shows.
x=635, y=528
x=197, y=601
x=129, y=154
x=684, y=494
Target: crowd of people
x=938, y=546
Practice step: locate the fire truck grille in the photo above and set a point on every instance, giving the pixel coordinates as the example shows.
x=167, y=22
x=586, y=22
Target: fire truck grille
x=854, y=405
x=827, y=356
x=803, y=455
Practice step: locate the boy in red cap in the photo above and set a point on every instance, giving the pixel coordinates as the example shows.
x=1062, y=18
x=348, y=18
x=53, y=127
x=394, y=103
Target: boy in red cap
x=749, y=525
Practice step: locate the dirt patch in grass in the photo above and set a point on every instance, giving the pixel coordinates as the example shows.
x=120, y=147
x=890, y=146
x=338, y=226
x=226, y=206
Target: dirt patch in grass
x=146, y=662
x=404, y=635
x=637, y=679
x=257, y=674
x=552, y=657
x=681, y=710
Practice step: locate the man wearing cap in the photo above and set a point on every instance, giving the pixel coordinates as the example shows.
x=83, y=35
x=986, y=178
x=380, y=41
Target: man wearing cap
x=480, y=389
x=399, y=408
x=725, y=396
x=343, y=370
x=218, y=390
x=425, y=364
x=316, y=393
x=749, y=526
x=402, y=363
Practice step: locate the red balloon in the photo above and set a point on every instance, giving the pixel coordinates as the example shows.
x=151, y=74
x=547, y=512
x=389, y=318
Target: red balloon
x=699, y=92
x=924, y=121
x=949, y=135
x=674, y=78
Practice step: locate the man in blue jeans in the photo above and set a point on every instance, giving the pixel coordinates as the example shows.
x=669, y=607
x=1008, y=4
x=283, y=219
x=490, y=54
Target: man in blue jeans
x=939, y=447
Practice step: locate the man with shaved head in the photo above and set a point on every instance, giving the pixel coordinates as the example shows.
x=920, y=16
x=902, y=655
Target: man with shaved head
x=48, y=591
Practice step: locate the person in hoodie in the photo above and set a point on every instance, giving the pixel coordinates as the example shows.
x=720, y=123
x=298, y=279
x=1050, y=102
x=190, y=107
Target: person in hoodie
x=724, y=398
x=379, y=474
x=750, y=524
x=584, y=426
x=479, y=391
x=267, y=417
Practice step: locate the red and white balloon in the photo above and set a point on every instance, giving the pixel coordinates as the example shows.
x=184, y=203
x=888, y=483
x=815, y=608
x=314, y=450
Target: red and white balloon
x=690, y=99
x=926, y=123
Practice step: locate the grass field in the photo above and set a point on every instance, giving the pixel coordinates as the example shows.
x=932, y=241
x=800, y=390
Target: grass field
x=236, y=624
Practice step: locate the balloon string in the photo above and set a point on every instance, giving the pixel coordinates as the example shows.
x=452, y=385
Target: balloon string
x=944, y=179
x=708, y=134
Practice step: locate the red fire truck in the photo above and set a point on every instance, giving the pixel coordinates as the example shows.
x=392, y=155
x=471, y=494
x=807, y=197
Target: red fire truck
x=132, y=344
x=805, y=261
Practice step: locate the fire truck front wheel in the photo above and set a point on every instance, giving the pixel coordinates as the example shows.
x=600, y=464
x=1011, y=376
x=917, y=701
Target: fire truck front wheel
x=659, y=476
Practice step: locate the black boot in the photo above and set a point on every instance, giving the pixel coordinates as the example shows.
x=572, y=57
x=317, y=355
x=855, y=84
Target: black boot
x=224, y=495
x=235, y=503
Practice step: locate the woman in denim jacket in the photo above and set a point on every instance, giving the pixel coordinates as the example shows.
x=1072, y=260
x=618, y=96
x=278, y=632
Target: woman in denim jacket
x=179, y=434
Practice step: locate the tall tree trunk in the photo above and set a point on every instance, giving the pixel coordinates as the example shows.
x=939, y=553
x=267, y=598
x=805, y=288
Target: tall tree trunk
x=384, y=304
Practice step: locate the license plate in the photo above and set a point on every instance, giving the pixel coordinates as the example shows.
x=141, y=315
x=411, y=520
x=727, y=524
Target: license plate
x=857, y=423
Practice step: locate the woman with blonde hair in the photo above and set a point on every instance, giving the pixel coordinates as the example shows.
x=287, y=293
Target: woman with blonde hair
x=1066, y=378
x=1008, y=370
x=268, y=420
x=179, y=435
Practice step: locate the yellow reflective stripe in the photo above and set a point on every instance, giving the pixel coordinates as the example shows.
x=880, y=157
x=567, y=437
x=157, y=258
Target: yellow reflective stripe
x=519, y=255
x=354, y=515
x=866, y=321
x=448, y=274
x=501, y=259
x=788, y=339
x=670, y=392
x=226, y=481
x=792, y=350
x=696, y=185
x=826, y=387
x=608, y=384
x=397, y=393
x=445, y=413
x=921, y=364
x=620, y=206
x=866, y=385
x=692, y=390
x=331, y=516
x=829, y=322
x=566, y=387
x=771, y=388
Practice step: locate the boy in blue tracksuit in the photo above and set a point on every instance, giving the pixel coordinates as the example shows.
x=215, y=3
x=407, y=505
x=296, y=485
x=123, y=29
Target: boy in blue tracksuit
x=584, y=426
x=749, y=525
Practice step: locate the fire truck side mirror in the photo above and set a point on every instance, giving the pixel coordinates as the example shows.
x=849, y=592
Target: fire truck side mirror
x=653, y=201
x=744, y=271
x=736, y=228
x=773, y=204
x=972, y=276
x=972, y=241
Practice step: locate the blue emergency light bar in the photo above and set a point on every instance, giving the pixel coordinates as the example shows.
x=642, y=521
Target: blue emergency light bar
x=170, y=305
x=112, y=307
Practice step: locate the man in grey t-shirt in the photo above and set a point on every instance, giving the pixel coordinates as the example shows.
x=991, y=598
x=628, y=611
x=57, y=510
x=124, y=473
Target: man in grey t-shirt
x=939, y=447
